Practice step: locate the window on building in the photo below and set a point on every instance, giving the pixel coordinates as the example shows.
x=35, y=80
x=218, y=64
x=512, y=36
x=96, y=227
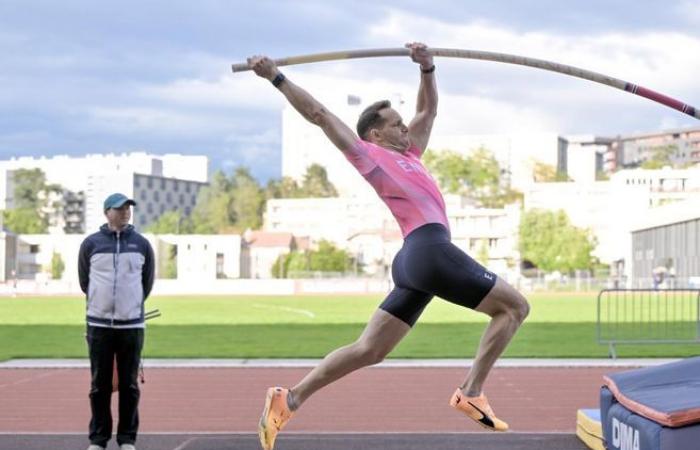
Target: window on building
x=176, y=188
x=188, y=188
x=220, y=266
x=34, y=248
x=149, y=182
x=162, y=183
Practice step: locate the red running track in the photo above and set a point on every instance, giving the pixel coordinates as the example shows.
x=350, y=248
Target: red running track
x=370, y=400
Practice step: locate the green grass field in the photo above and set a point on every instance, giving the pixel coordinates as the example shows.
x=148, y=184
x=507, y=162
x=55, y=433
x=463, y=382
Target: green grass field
x=560, y=326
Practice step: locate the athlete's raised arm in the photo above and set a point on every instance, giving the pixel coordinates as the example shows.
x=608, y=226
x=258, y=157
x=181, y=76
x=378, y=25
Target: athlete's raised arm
x=426, y=105
x=311, y=109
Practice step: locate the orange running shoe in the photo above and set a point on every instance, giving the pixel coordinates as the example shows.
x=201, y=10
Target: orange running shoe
x=274, y=417
x=479, y=410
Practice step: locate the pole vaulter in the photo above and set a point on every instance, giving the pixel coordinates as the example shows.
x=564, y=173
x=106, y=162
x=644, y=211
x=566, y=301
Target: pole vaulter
x=491, y=56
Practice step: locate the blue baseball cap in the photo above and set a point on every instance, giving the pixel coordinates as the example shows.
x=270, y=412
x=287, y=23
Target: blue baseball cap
x=117, y=201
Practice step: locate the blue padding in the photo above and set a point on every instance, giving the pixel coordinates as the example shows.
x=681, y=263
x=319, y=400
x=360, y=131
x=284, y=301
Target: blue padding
x=593, y=414
x=606, y=401
x=668, y=388
x=624, y=430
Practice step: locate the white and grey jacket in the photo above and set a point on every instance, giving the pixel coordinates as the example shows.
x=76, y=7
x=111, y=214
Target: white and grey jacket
x=116, y=273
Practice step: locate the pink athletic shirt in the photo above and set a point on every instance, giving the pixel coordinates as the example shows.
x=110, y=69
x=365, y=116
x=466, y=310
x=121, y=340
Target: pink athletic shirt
x=402, y=182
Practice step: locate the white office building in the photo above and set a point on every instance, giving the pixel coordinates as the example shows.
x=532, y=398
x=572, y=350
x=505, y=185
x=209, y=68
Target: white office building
x=158, y=183
x=612, y=208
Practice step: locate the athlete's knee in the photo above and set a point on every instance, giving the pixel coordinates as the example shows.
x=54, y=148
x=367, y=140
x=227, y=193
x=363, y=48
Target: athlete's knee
x=521, y=309
x=370, y=353
x=515, y=308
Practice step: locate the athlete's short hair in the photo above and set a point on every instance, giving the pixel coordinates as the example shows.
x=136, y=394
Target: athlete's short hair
x=370, y=118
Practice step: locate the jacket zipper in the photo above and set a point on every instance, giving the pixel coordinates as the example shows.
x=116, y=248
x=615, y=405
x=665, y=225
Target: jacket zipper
x=116, y=276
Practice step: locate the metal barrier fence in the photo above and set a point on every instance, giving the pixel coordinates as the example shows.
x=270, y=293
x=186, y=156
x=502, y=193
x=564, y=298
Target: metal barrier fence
x=648, y=316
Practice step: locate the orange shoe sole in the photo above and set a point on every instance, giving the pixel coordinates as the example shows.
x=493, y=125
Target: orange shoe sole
x=262, y=425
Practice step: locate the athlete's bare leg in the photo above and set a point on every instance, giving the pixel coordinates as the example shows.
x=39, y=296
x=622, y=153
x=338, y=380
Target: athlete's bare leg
x=508, y=309
x=379, y=337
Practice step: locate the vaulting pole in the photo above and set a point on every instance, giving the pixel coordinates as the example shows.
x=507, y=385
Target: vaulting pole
x=491, y=56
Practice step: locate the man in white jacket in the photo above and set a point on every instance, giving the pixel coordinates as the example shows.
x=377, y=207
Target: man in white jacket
x=115, y=268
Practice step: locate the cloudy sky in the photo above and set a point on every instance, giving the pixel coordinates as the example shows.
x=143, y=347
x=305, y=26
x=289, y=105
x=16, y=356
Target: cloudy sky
x=81, y=77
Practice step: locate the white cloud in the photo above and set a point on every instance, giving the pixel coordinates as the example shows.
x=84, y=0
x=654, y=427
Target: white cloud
x=657, y=60
x=268, y=136
x=257, y=156
x=154, y=78
x=240, y=90
x=155, y=121
x=689, y=10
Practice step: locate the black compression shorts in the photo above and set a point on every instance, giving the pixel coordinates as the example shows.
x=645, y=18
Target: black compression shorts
x=429, y=264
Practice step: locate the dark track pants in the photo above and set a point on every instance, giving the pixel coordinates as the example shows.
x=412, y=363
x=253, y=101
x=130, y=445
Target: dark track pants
x=104, y=344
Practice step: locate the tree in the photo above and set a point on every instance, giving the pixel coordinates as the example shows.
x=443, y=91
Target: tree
x=485, y=170
x=551, y=242
x=170, y=222
x=327, y=258
x=25, y=221
x=32, y=195
x=214, y=210
x=281, y=266
x=660, y=157
x=297, y=263
x=57, y=266
x=228, y=205
x=28, y=183
x=451, y=170
x=547, y=173
x=248, y=200
x=316, y=183
x=170, y=266
x=477, y=176
x=285, y=187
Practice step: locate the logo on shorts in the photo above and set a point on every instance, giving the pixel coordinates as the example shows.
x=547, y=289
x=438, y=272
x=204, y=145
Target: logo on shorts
x=488, y=276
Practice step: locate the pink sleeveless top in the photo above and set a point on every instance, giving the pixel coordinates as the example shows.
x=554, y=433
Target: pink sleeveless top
x=402, y=182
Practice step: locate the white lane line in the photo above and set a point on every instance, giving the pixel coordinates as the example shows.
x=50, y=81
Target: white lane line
x=28, y=379
x=185, y=444
x=304, y=312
